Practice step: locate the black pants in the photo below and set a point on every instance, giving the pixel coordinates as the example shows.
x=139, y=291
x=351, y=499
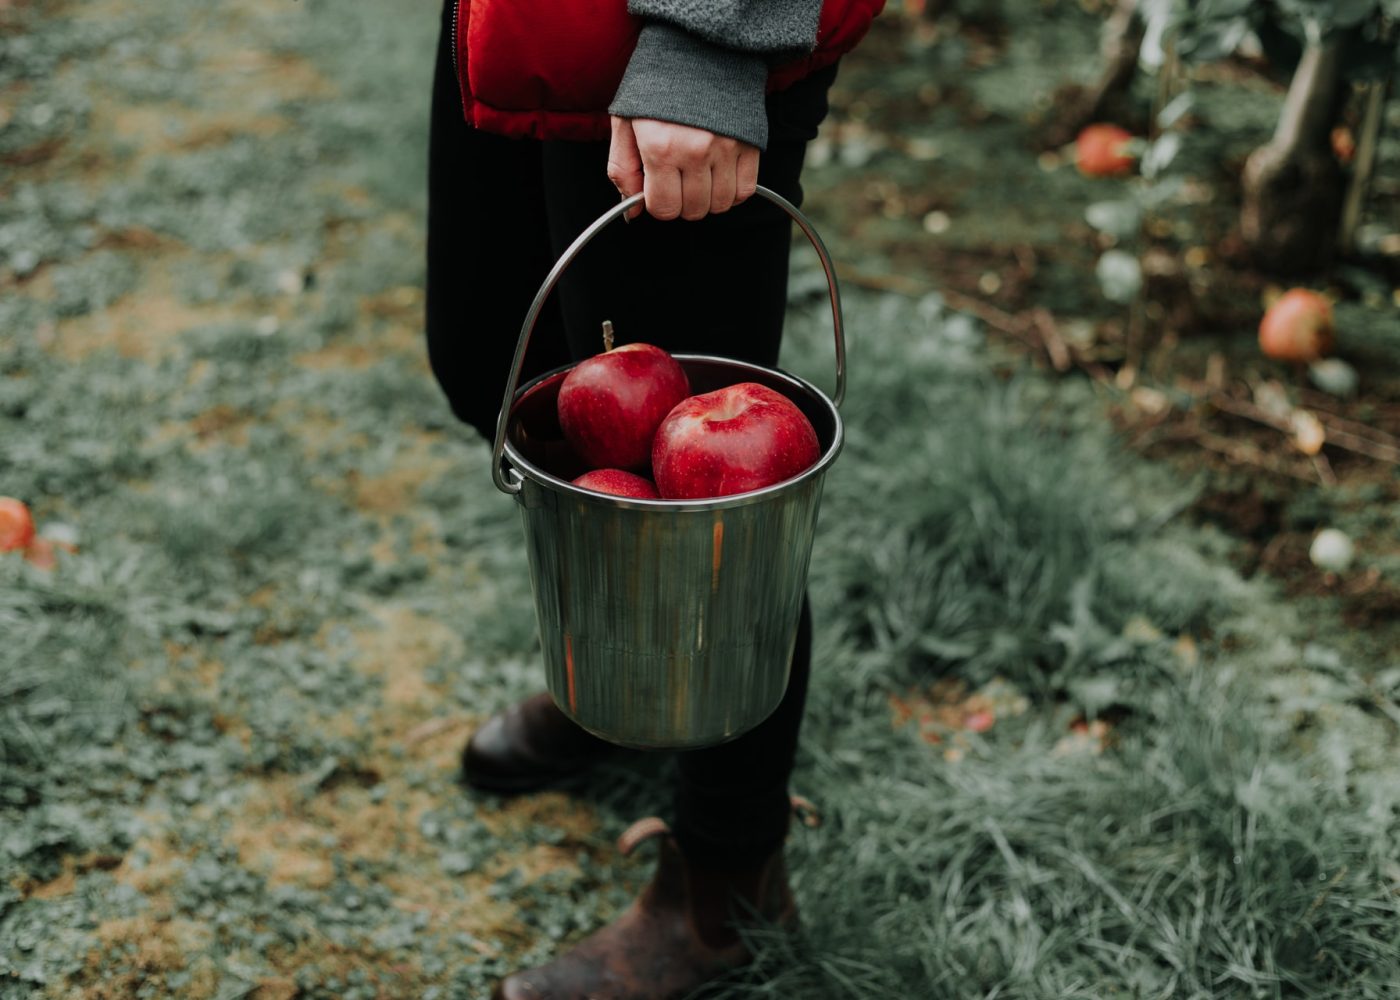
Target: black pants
x=500, y=212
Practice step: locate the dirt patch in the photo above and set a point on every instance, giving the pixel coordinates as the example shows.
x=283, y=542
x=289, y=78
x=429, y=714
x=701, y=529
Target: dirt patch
x=1369, y=600
x=391, y=321
x=352, y=356
x=396, y=491
x=160, y=943
x=575, y=820
x=151, y=949
x=534, y=862
x=321, y=435
x=281, y=846
x=218, y=426
x=167, y=127
x=402, y=643
x=400, y=647
x=295, y=836
x=152, y=867
x=254, y=72
x=403, y=303
x=146, y=323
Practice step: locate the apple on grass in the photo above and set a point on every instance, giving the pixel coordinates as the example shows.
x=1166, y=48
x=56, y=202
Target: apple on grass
x=611, y=404
x=733, y=440
x=1101, y=151
x=619, y=483
x=1297, y=327
x=17, y=535
x=16, y=525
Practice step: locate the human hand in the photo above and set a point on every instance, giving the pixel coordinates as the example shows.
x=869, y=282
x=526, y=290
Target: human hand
x=684, y=171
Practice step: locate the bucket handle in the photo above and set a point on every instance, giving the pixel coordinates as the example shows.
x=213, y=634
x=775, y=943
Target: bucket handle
x=511, y=485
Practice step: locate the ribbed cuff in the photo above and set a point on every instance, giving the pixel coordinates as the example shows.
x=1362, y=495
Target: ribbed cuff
x=674, y=76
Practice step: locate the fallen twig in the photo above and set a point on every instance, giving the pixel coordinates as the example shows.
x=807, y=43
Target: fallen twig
x=995, y=318
x=426, y=730
x=1037, y=329
x=1324, y=469
x=1061, y=357
x=1340, y=432
x=1245, y=454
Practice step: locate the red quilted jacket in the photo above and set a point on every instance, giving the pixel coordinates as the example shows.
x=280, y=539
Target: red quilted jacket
x=549, y=69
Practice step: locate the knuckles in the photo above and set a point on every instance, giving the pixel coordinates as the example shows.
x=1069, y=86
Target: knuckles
x=690, y=149
x=662, y=213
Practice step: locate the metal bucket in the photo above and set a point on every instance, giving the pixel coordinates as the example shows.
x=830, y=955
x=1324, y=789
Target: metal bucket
x=664, y=624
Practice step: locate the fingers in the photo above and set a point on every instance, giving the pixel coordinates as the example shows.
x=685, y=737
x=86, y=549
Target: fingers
x=746, y=174
x=695, y=194
x=689, y=172
x=723, y=183
x=663, y=189
x=625, y=162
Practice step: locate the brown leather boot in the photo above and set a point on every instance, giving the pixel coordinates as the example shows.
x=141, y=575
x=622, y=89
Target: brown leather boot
x=529, y=746
x=678, y=935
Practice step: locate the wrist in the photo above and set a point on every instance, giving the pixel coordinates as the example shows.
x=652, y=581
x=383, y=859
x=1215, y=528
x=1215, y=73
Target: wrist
x=679, y=77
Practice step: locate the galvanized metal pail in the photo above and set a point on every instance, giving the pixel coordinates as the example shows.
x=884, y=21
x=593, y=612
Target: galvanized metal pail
x=664, y=624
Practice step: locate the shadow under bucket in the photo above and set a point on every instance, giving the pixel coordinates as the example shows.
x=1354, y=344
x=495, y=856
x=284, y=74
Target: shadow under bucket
x=664, y=624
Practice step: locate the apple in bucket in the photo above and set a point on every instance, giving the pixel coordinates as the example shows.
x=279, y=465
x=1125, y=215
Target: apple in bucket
x=611, y=404
x=733, y=440
x=618, y=483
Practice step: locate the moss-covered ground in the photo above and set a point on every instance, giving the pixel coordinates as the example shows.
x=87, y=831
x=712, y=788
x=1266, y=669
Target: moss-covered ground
x=1066, y=738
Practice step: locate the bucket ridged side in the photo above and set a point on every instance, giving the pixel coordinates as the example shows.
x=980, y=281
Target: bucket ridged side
x=662, y=629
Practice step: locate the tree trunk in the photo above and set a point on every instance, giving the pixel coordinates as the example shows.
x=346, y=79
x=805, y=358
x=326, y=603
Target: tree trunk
x=1365, y=165
x=1293, y=184
x=1107, y=99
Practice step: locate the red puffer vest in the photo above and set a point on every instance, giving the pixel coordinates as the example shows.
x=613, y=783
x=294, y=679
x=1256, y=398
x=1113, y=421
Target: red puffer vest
x=549, y=70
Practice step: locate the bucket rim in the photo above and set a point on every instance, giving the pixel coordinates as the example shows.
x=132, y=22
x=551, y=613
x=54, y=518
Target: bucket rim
x=522, y=469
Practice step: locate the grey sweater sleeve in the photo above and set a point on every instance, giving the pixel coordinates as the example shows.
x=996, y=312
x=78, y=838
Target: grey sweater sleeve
x=705, y=63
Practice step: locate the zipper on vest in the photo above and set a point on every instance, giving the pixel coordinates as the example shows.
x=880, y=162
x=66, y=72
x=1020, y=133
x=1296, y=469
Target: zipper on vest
x=456, y=32
x=456, y=12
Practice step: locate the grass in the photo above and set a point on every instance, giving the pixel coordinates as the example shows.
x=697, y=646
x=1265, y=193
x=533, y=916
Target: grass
x=229, y=723
x=1193, y=860
x=1206, y=851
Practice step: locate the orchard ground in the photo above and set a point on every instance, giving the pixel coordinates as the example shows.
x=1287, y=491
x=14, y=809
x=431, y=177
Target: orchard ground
x=1084, y=723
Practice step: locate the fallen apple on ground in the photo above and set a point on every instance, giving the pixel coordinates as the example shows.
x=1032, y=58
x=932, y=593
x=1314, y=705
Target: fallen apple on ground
x=1099, y=151
x=611, y=404
x=1343, y=144
x=1297, y=327
x=733, y=440
x=618, y=483
x=16, y=525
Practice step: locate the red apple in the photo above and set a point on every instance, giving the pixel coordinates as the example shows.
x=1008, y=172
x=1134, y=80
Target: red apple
x=611, y=404
x=1099, y=151
x=1297, y=327
x=733, y=440
x=618, y=483
x=16, y=525
x=1343, y=145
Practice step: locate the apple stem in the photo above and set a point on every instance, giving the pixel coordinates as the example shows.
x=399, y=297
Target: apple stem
x=607, y=335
